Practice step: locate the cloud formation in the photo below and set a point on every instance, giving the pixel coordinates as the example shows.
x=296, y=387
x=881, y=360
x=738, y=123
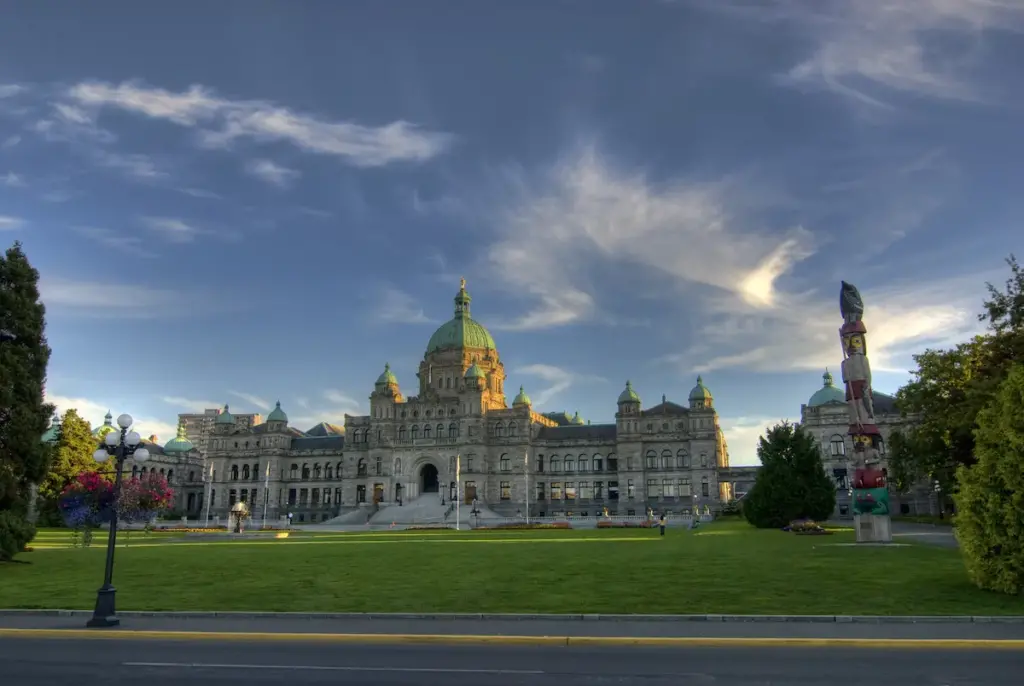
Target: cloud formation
x=556, y=380
x=123, y=243
x=94, y=410
x=221, y=121
x=395, y=306
x=172, y=230
x=10, y=223
x=194, y=406
x=272, y=173
x=96, y=299
x=12, y=180
x=253, y=400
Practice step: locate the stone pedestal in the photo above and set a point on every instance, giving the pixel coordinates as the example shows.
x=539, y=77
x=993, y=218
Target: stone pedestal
x=873, y=528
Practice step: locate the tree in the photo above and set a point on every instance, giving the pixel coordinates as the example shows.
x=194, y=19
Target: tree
x=72, y=456
x=990, y=498
x=792, y=483
x=24, y=416
x=950, y=387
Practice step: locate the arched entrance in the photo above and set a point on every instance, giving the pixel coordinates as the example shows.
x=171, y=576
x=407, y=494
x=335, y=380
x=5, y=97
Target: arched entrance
x=428, y=479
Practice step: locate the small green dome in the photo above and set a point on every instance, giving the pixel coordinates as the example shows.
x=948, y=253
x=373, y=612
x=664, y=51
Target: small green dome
x=106, y=427
x=461, y=331
x=629, y=395
x=474, y=372
x=277, y=414
x=577, y=419
x=700, y=391
x=180, y=443
x=828, y=393
x=225, y=417
x=52, y=434
x=522, y=398
x=387, y=376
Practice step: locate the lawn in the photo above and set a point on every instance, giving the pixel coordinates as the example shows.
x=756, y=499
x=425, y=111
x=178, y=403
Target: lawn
x=724, y=568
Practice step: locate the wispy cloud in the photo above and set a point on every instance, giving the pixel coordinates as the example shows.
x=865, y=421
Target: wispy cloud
x=94, y=299
x=67, y=123
x=586, y=214
x=10, y=223
x=196, y=406
x=10, y=142
x=337, y=404
x=129, y=245
x=272, y=173
x=253, y=400
x=9, y=90
x=140, y=167
x=201, y=193
x=93, y=411
x=172, y=230
x=221, y=121
x=556, y=381
x=12, y=180
x=394, y=306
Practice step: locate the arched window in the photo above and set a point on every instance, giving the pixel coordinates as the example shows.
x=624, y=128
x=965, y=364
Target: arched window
x=378, y=466
x=191, y=476
x=317, y=471
x=570, y=464
x=398, y=465
x=143, y=472
x=451, y=465
x=705, y=489
x=135, y=470
x=499, y=430
x=583, y=463
x=652, y=459
x=512, y=429
x=361, y=467
x=234, y=472
x=293, y=471
x=448, y=382
x=170, y=474
x=682, y=459
x=426, y=431
x=505, y=464
x=329, y=471
x=704, y=460
x=837, y=446
x=161, y=471
x=401, y=433
x=305, y=471
x=337, y=471
x=415, y=432
x=453, y=430
x=598, y=462
x=666, y=459
x=246, y=474
x=556, y=463
x=256, y=471
x=440, y=429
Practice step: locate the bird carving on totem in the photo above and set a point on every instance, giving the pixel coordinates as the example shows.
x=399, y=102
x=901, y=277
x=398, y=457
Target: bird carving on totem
x=851, y=306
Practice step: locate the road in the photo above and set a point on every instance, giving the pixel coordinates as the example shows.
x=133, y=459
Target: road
x=84, y=662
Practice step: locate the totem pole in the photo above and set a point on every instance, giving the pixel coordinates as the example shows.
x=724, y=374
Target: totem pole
x=870, y=493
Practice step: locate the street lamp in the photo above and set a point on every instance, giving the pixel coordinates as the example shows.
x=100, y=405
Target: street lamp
x=119, y=445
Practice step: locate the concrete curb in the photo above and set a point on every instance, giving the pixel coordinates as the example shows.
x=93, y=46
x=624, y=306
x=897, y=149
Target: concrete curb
x=826, y=619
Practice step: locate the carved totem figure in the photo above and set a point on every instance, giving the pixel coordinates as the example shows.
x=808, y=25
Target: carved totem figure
x=871, y=496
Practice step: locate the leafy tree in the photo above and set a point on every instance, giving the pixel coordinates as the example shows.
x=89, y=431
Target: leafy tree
x=72, y=455
x=792, y=483
x=24, y=416
x=950, y=387
x=990, y=500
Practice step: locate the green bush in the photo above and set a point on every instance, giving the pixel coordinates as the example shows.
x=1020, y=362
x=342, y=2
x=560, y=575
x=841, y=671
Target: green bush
x=792, y=483
x=990, y=500
x=15, y=533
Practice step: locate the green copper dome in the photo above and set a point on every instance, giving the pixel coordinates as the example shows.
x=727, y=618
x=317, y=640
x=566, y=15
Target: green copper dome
x=629, y=395
x=828, y=393
x=106, y=427
x=577, y=419
x=474, y=372
x=461, y=331
x=700, y=391
x=277, y=414
x=387, y=376
x=180, y=443
x=225, y=417
x=521, y=398
x=52, y=434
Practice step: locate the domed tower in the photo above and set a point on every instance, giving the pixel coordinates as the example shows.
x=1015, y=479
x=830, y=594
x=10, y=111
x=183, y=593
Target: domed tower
x=458, y=346
x=225, y=421
x=101, y=431
x=179, y=445
x=277, y=420
x=629, y=402
x=522, y=400
x=700, y=397
x=385, y=394
x=828, y=393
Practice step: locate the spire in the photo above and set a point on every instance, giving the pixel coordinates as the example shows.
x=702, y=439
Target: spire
x=108, y=419
x=462, y=300
x=181, y=429
x=827, y=378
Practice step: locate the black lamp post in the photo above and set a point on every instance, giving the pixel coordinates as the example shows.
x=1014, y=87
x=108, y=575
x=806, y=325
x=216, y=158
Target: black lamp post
x=119, y=445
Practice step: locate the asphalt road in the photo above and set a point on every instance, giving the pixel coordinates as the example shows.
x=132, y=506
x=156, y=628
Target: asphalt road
x=86, y=662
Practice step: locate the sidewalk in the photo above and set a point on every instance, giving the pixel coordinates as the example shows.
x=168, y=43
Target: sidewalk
x=653, y=631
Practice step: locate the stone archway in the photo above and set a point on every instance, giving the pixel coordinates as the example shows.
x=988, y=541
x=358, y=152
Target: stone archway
x=428, y=479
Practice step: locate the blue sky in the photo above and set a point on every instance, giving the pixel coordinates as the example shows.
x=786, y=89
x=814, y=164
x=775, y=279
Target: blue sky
x=240, y=202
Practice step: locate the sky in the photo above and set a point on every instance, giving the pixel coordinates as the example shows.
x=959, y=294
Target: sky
x=249, y=201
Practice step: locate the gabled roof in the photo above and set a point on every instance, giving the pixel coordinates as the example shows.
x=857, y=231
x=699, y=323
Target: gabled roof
x=326, y=429
x=667, y=407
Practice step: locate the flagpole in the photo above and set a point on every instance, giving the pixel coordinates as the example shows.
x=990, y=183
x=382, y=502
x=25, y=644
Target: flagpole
x=266, y=495
x=526, y=473
x=458, y=490
x=209, y=496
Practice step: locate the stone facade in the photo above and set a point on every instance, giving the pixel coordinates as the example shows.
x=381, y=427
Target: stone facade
x=670, y=457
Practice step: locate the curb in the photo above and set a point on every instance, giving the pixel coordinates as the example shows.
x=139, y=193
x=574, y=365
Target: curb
x=478, y=639
x=819, y=619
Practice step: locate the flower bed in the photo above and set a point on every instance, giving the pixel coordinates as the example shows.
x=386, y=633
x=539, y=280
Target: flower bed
x=516, y=526
x=606, y=524
x=192, y=529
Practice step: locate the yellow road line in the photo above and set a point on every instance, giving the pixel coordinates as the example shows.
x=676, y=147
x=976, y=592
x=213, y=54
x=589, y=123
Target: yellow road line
x=678, y=642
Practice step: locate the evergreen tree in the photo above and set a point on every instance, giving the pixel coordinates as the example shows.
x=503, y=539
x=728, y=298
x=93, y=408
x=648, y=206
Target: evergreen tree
x=24, y=416
x=990, y=501
x=792, y=483
x=71, y=456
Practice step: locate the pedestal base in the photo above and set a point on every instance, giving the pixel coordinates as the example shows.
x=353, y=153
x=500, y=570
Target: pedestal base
x=873, y=528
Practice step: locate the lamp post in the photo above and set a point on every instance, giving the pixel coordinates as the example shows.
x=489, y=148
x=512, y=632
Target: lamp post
x=119, y=445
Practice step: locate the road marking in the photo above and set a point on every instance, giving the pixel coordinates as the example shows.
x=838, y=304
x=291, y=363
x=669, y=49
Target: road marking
x=329, y=668
x=483, y=639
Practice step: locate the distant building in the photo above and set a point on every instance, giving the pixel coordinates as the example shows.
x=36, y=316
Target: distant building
x=199, y=425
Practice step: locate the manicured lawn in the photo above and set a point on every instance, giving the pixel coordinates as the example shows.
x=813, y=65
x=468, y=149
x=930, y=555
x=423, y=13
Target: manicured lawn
x=723, y=568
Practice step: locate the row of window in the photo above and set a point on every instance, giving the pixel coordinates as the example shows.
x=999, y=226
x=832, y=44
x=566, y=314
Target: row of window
x=837, y=446
x=585, y=490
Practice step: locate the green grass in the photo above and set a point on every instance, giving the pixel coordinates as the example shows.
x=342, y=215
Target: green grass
x=724, y=568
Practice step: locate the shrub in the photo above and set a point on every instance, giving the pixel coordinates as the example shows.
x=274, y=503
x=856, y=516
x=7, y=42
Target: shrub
x=649, y=524
x=15, y=532
x=524, y=525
